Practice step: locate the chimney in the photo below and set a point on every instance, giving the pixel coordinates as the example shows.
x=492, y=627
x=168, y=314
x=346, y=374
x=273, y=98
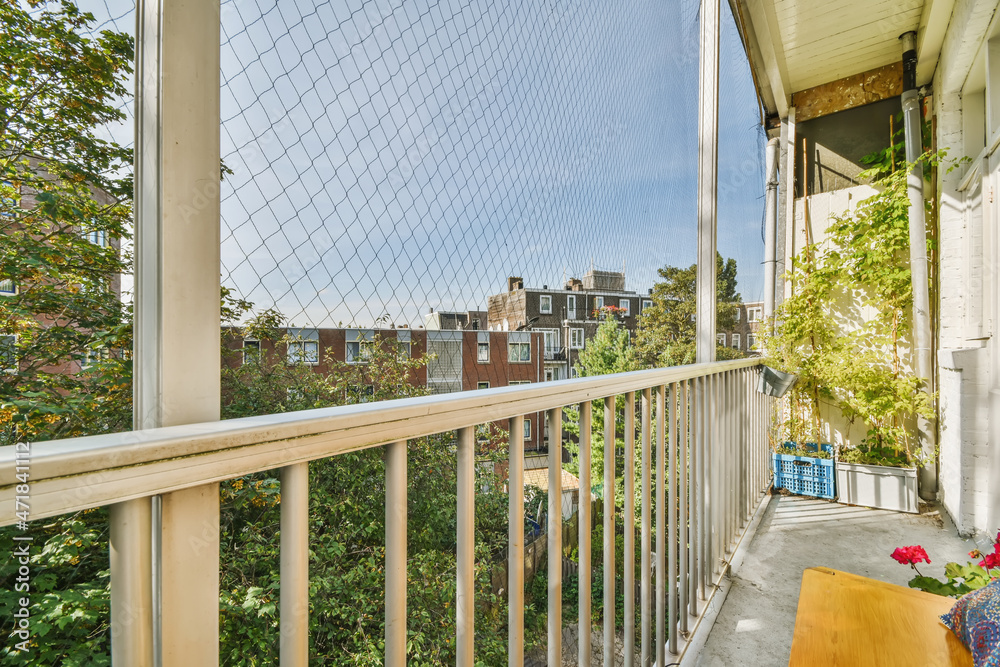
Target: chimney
x=514, y=283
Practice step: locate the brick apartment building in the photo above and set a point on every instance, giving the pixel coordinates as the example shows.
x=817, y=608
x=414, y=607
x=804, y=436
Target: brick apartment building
x=567, y=317
x=459, y=360
x=743, y=335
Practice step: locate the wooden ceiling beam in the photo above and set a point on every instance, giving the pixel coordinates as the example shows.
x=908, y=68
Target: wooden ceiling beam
x=852, y=91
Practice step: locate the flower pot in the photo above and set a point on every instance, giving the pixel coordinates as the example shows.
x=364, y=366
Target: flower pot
x=773, y=382
x=882, y=487
x=805, y=475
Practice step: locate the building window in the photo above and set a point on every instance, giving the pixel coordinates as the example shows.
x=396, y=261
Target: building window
x=574, y=372
x=571, y=307
x=598, y=302
x=527, y=429
x=475, y=324
x=482, y=385
x=576, y=339
x=753, y=314
x=98, y=237
x=625, y=305
x=358, y=352
x=736, y=341
x=402, y=349
x=550, y=374
x=519, y=352
x=545, y=304
x=720, y=339
x=738, y=309
x=251, y=349
x=8, y=354
x=8, y=288
x=303, y=352
x=693, y=317
x=514, y=382
x=483, y=353
x=8, y=200
x=647, y=303
x=361, y=393
x=551, y=339
x=751, y=342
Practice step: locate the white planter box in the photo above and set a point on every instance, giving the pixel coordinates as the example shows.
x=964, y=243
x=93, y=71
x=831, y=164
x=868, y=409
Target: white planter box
x=878, y=486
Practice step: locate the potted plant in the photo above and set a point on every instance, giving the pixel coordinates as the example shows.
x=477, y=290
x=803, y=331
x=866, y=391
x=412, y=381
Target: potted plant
x=867, y=261
x=804, y=343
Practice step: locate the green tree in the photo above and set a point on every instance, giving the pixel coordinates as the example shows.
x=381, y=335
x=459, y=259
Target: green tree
x=666, y=333
x=65, y=204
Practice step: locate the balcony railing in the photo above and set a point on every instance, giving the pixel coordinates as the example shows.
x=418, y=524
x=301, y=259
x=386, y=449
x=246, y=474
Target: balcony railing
x=702, y=454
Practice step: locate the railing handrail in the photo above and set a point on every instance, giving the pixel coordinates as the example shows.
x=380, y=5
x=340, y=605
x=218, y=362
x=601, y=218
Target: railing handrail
x=81, y=473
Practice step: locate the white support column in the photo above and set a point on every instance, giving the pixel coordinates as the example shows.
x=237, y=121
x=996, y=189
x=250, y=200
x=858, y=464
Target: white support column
x=628, y=547
x=661, y=528
x=644, y=536
x=294, y=594
x=554, y=524
x=465, y=604
x=708, y=178
x=515, y=540
x=395, y=557
x=177, y=351
x=583, y=541
x=609, y=532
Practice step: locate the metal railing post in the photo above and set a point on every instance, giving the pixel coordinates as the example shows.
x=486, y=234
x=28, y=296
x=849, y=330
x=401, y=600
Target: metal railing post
x=682, y=527
x=294, y=574
x=609, y=532
x=554, y=523
x=584, y=536
x=515, y=539
x=672, y=521
x=661, y=565
x=644, y=536
x=465, y=604
x=628, y=545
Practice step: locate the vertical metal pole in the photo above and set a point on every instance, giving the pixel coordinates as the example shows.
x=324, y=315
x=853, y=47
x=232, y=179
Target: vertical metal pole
x=465, y=605
x=919, y=279
x=703, y=488
x=682, y=527
x=132, y=592
x=555, y=537
x=585, y=534
x=718, y=481
x=515, y=538
x=294, y=593
x=644, y=536
x=661, y=529
x=672, y=520
x=584, y=537
x=609, y=531
x=694, y=525
x=708, y=162
x=732, y=415
x=628, y=562
x=177, y=354
x=770, y=232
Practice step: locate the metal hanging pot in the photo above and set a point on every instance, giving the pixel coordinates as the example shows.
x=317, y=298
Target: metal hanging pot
x=775, y=383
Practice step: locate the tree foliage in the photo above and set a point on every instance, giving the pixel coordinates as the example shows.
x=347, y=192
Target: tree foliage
x=666, y=333
x=62, y=187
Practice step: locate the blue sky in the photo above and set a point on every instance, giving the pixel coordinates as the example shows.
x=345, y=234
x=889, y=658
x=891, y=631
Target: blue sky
x=391, y=157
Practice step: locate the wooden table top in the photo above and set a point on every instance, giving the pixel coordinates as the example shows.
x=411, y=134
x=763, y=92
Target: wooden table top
x=847, y=620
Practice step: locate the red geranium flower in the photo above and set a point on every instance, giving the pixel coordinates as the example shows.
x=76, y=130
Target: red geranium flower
x=910, y=555
x=990, y=561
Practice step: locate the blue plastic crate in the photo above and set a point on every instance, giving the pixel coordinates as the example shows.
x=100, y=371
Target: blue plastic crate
x=805, y=475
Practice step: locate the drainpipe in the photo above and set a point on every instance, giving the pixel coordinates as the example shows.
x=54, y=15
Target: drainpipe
x=770, y=232
x=918, y=257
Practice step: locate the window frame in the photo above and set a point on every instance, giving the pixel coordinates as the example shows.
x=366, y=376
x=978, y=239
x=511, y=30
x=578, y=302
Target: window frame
x=483, y=384
x=480, y=345
x=734, y=341
x=751, y=342
x=720, y=339
x=246, y=347
x=598, y=302
x=511, y=345
x=550, y=375
x=542, y=300
x=626, y=305
x=570, y=312
x=526, y=432
x=644, y=304
x=11, y=370
x=8, y=292
x=573, y=333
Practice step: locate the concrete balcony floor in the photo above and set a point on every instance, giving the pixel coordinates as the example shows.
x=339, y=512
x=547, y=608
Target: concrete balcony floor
x=756, y=622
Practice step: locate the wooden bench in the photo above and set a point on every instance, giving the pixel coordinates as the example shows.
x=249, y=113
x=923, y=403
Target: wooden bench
x=853, y=621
